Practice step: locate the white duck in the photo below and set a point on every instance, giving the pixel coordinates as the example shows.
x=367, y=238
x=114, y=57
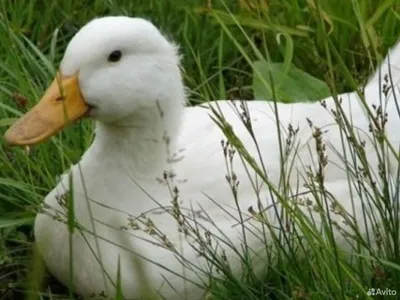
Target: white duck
x=125, y=74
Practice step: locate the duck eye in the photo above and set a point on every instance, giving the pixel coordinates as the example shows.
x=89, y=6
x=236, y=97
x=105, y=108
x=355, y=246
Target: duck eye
x=115, y=56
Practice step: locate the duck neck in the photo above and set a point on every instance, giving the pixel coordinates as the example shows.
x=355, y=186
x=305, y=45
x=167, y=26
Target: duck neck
x=142, y=144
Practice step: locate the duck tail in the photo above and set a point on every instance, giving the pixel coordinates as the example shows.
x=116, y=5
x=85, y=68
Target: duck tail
x=389, y=67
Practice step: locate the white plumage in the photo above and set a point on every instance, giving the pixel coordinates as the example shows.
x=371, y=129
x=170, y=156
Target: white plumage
x=143, y=132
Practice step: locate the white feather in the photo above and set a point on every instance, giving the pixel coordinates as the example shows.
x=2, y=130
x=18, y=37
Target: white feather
x=139, y=102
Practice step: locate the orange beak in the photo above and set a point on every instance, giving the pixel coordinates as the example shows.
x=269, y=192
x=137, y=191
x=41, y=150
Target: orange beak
x=60, y=105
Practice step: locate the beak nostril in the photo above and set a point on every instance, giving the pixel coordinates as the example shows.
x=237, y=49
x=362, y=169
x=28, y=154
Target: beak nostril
x=60, y=98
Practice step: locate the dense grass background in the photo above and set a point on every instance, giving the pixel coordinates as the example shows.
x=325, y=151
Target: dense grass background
x=221, y=43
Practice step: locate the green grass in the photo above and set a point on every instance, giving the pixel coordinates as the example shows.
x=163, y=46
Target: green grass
x=222, y=44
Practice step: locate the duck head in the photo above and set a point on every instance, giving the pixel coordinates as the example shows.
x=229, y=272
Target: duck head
x=113, y=70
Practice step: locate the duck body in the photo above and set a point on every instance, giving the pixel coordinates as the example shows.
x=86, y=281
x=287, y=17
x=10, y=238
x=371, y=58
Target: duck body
x=200, y=185
x=150, y=153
